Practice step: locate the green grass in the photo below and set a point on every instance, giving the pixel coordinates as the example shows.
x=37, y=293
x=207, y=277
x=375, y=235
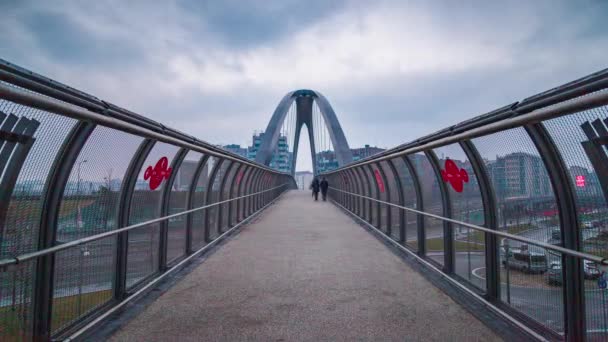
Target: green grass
x=436, y=244
x=64, y=312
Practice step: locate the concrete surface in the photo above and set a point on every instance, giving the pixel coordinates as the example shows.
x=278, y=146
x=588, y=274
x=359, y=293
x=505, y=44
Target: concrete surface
x=304, y=271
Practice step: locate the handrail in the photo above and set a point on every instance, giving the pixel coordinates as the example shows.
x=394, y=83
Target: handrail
x=33, y=255
x=538, y=115
x=58, y=107
x=559, y=249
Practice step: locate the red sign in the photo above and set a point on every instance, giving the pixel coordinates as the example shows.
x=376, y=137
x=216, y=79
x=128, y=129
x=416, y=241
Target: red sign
x=580, y=181
x=160, y=171
x=455, y=176
x=379, y=180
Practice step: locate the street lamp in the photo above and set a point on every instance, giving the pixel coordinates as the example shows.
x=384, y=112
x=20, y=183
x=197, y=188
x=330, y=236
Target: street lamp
x=83, y=251
x=78, y=182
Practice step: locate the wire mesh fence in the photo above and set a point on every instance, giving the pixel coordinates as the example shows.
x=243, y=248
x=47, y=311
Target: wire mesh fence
x=512, y=205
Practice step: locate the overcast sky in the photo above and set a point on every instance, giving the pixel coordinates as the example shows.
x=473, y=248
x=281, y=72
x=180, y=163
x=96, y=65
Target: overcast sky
x=393, y=71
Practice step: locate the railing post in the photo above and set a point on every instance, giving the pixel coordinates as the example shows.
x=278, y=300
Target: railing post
x=357, y=200
x=419, y=205
x=53, y=192
x=490, y=219
x=367, y=203
x=218, y=214
x=122, y=218
x=574, y=290
x=378, y=207
x=164, y=209
x=251, y=190
x=241, y=203
x=448, y=234
x=190, y=201
x=210, y=182
x=387, y=190
x=402, y=214
x=239, y=174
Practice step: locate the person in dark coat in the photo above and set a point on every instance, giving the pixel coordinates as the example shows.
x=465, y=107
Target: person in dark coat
x=324, y=185
x=315, y=188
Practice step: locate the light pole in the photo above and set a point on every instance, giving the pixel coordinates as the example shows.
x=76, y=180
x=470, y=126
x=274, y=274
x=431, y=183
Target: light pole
x=78, y=182
x=83, y=249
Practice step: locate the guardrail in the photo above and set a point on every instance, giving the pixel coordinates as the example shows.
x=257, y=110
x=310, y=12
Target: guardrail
x=98, y=203
x=510, y=205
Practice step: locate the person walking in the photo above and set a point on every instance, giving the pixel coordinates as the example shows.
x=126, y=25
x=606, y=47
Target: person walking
x=324, y=185
x=315, y=188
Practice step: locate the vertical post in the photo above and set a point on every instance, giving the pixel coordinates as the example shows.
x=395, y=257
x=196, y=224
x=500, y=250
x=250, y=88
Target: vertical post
x=190, y=201
x=240, y=173
x=490, y=220
x=574, y=313
x=368, y=203
x=373, y=180
x=53, y=191
x=164, y=209
x=251, y=190
x=419, y=205
x=210, y=182
x=387, y=190
x=402, y=214
x=218, y=213
x=240, y=204
x=358, y=190
x=448, y=234
x=122, y=219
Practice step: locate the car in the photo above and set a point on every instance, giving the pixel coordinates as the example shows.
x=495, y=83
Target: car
x=591, y=270
x=554, y=274
x=525, y=260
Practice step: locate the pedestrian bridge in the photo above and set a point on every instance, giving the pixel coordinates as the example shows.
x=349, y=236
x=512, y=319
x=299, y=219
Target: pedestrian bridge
x=114, y=226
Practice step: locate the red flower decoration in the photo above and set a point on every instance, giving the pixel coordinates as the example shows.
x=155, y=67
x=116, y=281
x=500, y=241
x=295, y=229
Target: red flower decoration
x=455, y=176
x=160, y=171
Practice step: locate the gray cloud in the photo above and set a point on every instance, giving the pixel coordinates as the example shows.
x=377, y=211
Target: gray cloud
x=217, y=69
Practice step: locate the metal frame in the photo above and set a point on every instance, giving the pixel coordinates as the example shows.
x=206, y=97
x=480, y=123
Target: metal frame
x=574, y=289
x=190, y=200
x=558, y=249
x=420, y=220
x=402, y=216
x=387, y=190
x=448, y=236
x=241, y=170
x=210, y=181
x=122, y=219
x=372, y=179
x=53, y=193
x=367, y=212
x=488, y=199
x=11, y=173
x=358, y=188
x=220, y=210
x=240, y=204
x=164, y=208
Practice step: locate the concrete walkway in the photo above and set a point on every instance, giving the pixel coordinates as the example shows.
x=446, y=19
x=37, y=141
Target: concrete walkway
x=304, y=271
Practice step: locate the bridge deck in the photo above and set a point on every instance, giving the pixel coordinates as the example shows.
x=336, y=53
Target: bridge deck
x=304, y=271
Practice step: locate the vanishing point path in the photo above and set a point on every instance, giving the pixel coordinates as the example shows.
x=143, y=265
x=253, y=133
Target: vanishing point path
x=304, y=271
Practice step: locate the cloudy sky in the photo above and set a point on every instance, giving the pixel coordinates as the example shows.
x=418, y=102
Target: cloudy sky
x=393, y=71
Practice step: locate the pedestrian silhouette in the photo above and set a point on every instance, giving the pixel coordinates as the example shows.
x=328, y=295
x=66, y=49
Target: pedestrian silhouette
x=324, y=186
x=315, y=188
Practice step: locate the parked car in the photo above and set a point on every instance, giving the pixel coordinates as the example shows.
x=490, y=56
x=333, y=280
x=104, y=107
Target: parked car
x=554, y=274
x=525, y=260
x=591, y=270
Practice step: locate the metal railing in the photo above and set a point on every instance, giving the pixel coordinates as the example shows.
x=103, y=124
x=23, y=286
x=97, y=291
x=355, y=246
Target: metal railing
x=97, y=204
x=510, y=205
